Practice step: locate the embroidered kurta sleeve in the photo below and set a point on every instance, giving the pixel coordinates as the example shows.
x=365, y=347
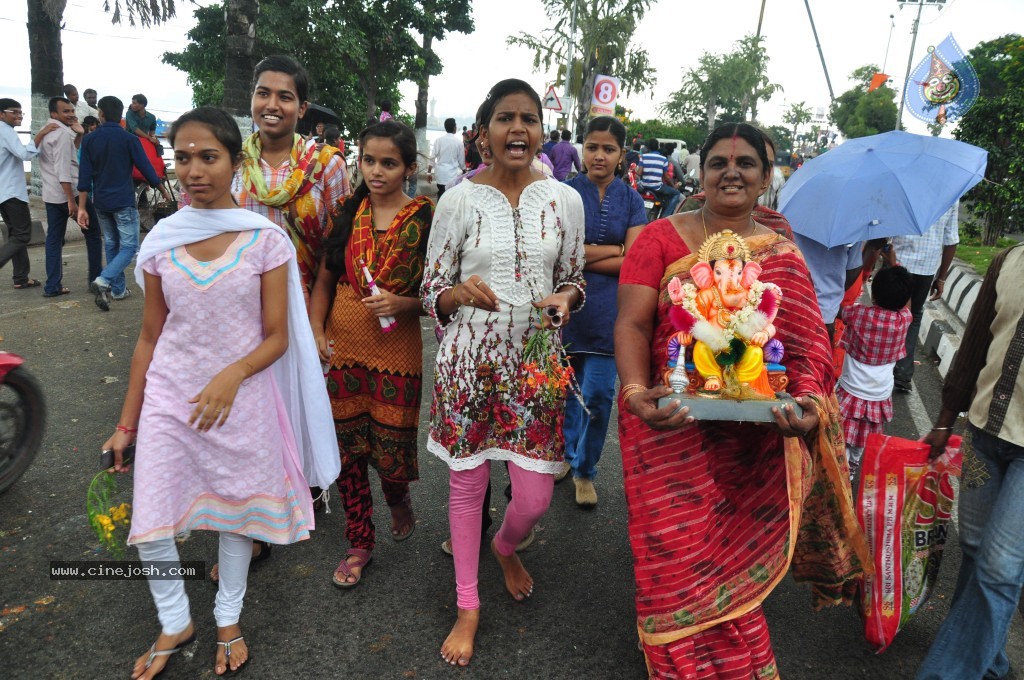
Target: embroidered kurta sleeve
x=443, y=266
x=569, y=267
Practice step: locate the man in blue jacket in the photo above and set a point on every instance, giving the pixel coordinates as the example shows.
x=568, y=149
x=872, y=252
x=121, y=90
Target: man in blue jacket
x=105, y=170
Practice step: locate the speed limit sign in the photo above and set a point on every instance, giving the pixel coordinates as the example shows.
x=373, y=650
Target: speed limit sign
x=606, y=91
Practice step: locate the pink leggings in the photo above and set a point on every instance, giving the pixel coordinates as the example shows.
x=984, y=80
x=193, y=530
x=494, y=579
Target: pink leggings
x=531, y=495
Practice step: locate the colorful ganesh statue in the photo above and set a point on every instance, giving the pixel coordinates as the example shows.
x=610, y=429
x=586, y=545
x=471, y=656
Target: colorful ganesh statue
x=728, y=318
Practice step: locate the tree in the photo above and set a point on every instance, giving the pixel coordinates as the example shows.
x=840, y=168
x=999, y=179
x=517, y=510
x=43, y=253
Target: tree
x=434, y=19
x=723, y=87
x=996, y=124
x=796, y=115
x=240, y=23
x=356, y=51
x=783, y=139
x=601, y=36
x=693, y=136
x=859, y=113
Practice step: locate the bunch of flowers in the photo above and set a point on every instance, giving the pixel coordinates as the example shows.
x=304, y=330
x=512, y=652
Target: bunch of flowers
x=106, y=519
x=546, y=373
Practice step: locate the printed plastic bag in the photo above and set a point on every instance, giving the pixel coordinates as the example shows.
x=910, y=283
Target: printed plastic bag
x=904, y=504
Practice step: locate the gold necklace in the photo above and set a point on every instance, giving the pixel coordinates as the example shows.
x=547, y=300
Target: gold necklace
x=753, y=225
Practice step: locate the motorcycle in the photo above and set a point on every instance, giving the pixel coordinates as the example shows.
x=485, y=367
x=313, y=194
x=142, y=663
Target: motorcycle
x=22, y=419
x=653, y=205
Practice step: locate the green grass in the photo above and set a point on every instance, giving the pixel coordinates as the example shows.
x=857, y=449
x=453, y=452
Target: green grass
x=980, y=257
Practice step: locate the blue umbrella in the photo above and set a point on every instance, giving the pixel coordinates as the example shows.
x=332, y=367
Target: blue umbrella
x=892, y=184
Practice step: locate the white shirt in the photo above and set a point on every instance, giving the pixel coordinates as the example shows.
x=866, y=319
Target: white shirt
x=58, y=162
x=871, y=383
x=13, y=155
x=922, y=254
x=448, y=158
x=82, y=109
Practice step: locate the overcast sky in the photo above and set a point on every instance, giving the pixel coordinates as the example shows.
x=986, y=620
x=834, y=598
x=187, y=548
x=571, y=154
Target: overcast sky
x=122, y=60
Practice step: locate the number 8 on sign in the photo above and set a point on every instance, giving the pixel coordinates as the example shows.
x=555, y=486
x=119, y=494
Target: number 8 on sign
x=605, y=91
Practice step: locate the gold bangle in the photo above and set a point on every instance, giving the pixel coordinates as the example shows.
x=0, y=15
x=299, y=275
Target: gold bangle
x=455, y=298
x=629, y=390
x=622, y=250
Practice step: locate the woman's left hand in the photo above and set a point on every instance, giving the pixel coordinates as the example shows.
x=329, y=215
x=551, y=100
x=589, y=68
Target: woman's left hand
x=789, y=425
x=558, y=301
x=213, y=404
x=385, y=304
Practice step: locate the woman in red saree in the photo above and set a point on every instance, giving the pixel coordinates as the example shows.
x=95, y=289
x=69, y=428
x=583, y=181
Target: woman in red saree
x=718, y=510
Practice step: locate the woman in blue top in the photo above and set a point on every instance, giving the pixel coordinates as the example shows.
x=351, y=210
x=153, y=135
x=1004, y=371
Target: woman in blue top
x=614, y=215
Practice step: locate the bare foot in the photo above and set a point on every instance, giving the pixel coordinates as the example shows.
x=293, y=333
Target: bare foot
x=139, y=670
x=458, y=646
x=712, y=384
x=402, y=521
x=239, y=650
x=518, y=581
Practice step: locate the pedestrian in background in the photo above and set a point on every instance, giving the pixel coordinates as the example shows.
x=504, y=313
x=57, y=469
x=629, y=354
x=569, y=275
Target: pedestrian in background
x=105, y=174
x=655, y=177
x=987, y=381
x=14, y=192
x=448, y=157
x=927, y=257
x=564, y=157
x=614, y=215
x=58, y=165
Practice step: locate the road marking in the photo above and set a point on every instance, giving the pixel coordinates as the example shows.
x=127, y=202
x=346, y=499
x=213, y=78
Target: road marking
x=919, y=414
x=26, y=311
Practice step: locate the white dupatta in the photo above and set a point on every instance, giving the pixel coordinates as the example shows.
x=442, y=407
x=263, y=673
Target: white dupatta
x=297, y=373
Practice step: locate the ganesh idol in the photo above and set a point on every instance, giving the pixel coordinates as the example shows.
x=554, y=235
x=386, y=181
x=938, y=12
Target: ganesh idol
x=727, y=316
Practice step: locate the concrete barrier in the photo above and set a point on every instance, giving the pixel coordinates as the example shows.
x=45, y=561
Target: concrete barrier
x=944, y=320
x=37, y=237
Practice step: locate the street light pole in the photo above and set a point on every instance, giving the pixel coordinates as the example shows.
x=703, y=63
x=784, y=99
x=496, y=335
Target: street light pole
x=821, y=55
x=910, y=62
x=570, y=117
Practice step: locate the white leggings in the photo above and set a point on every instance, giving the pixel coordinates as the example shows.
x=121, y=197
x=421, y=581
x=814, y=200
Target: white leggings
x=169, y=594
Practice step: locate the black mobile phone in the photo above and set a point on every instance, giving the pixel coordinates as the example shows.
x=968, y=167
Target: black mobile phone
x=107, y=457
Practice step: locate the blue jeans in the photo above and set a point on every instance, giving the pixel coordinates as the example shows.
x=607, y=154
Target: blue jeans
x=670, y=198
x=121, y=234
x=972, y=640
x=584, y=437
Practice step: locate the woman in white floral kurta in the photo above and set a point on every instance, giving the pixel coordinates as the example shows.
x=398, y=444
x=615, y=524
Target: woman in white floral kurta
x=503, y=246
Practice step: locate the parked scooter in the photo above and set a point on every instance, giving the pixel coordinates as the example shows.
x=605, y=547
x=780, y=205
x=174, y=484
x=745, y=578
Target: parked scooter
x=22, y=419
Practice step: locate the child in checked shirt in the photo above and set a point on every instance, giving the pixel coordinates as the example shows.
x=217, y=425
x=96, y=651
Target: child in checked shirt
x=874, y=340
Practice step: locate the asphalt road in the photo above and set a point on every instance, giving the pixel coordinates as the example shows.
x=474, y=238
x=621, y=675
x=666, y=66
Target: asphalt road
x=579, y=623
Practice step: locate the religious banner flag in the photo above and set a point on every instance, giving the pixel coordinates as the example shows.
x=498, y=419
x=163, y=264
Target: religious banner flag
x=944, y=86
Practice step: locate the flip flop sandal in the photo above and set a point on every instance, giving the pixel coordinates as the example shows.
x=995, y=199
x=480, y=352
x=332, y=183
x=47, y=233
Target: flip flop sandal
x=31, y=283
x=227, y=656
x=364, y=557
x=187, y=649
x=62, y=291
